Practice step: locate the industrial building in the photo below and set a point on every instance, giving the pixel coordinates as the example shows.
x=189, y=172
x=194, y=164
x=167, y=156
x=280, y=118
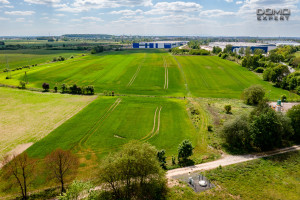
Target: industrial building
x=158, y=44
x=236, y=46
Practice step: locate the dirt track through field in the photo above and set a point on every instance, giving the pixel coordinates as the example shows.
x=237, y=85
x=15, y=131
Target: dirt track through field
x=136, y=73
x=166, y=85
x=153, y=131
x=98, y=123
x=228, y=160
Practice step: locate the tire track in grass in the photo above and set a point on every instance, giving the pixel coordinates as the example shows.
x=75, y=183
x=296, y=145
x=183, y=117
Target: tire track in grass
x=166, y=85
x=92, y=130
x=155, y=125
x=136, y=73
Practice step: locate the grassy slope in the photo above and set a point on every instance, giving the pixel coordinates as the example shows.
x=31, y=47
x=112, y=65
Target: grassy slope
x=29, y=116
x=276, y=177
x=111, y=71
x=19, y=58
x=96, y=129
x=211, y=76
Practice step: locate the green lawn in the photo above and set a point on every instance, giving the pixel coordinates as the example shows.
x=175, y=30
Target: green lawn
x=28, y=116
x=277, y=177
x=211, y=76
x=110, y=122
x=20, y=58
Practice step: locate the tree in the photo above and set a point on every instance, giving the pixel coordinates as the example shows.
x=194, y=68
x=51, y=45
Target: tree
x=22, y=84
x=21, y=168
x=77, y=189
x=185, y=150
x=133, y=173
x=228, y=49
x=161, y=155
x=61, y=165
x=227, y=109
x=236, y=133
x=46, y=86
x=248, y=51
x=242, y=51
x=294, y=115
x=253, y=95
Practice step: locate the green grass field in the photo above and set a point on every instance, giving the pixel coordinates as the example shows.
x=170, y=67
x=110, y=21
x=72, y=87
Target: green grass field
x=20, y=58
x=110, y=122
x=28, y=116
x=276, y=177
x=211, y=76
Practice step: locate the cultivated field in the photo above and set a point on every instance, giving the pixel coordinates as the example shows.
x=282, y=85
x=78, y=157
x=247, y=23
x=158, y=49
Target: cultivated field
x=211, y=76
x=151, y=72
x=28, y=116
x=20, y=58
x=110, y=122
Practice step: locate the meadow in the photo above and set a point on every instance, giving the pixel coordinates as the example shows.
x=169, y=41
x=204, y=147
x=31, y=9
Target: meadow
x=210, y=76
x=149, y=72
x=109, y=122
x=18, y=58
x=276, y=177
x=29, y=116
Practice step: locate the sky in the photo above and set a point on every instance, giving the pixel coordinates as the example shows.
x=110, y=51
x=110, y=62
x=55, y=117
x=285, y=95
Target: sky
x=146, y=17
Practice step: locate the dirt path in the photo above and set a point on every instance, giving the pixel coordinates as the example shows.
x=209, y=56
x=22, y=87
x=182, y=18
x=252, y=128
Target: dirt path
x=228, y=160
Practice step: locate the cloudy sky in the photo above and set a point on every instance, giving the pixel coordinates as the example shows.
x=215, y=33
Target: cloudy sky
x=145, y=17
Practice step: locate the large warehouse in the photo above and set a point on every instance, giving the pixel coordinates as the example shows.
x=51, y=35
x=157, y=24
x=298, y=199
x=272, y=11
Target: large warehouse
x=237, y=45
x=158, y=44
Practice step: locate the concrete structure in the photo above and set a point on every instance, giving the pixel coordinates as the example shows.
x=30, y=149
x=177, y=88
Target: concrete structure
x=158, y=44
x=236, y=46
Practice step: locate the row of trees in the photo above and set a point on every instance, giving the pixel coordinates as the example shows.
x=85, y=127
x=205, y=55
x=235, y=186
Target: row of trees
x=177, y=51
x=74, y=89
x=263, y=129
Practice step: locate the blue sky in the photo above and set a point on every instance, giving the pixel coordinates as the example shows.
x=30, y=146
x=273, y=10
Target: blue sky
x=145, y=17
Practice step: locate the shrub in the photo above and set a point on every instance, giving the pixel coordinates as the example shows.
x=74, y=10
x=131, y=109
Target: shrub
x=161, y=156
x=227, y=108
x=294, y=115
x=253, y=95
x=46, y=86
x=55, y=88
x=210, y=128
x=259, y=70
x=283, y=98
x=22, y=84
x=236, y=133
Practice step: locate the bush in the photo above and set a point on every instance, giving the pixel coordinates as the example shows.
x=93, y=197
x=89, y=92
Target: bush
x=224, y=55
x=55, y=88
x=46, y=86
x=227, y=109
x=283, y=98
x=253, y=95
x=22, y=84
x=210, y=128
x=294, y=115
x=259, y=70
x=236, y=133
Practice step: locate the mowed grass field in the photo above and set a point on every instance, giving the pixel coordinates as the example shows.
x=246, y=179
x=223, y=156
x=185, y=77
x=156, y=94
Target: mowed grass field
x=211, y=76
x=28, y=116
x=23, y=57
x=149, y=72
x=276, y=177
x=110, y=122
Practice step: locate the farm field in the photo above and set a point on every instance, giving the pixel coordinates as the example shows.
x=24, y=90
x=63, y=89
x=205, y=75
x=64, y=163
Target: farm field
x=211, y=76
x=23, y=57
x=110, y=122
x=28, y=116
x=151, y=72
x=276, y=177
x=130, y=72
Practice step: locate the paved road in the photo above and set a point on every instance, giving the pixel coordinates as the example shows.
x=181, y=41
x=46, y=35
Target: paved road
x=228, y=160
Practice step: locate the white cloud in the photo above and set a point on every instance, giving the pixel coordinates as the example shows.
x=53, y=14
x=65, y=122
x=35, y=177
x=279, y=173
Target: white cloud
x=85, y=5
x=60, y=15
x=19, y=12
x=4, y=1
x=174, y=7
x=42, y=1
x=229, y=1
x=239, y=2
x=20, y=19
x=216, y=13
x=92, y=19
x=3, y=18
x=127, y=12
